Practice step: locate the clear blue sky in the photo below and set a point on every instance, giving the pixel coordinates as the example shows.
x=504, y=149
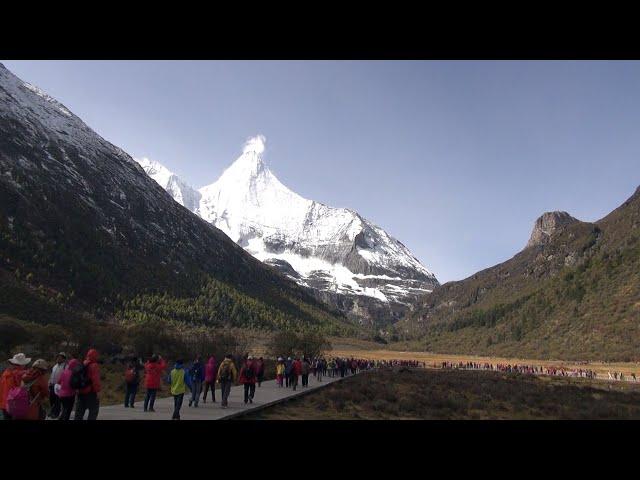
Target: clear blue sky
x=455, y=159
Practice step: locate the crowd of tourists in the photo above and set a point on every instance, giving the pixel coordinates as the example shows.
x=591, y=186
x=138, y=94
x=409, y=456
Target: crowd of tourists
x=288, y=374
x=71, y=383
x=24, y=390
x=534, y=370
x=290, y=370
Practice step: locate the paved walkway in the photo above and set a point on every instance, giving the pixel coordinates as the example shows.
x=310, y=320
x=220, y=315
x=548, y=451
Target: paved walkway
x=268, y=394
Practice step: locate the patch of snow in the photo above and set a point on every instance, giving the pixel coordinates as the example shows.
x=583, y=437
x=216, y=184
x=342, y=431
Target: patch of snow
x=339, y=276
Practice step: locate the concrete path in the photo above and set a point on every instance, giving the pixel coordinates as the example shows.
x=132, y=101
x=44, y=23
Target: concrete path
x=268, y=394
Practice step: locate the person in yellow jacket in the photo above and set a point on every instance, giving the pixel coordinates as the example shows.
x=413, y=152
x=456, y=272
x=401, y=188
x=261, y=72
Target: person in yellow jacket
x=180, y=381
x=280, y=371
x=227, y=374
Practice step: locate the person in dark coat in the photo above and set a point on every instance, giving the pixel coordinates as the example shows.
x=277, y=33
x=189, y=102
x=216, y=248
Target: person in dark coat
x=260, y=369
x=196, y=372
x=132, y=381
x=248, y=377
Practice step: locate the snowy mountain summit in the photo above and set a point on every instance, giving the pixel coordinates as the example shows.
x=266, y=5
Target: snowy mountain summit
x=345, y=259
x=174, y=185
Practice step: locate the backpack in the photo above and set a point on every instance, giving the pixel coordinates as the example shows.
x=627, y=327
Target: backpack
x=248, y=372
x=131, y=375
x=19, y=400
x=80, y=377
x=196, y=373
x=225, y=372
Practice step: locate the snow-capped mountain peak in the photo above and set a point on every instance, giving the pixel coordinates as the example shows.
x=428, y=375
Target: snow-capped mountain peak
x=249, y=198
x=174, y=185
x=155, y=170
x=249, y=165
x=334, y=251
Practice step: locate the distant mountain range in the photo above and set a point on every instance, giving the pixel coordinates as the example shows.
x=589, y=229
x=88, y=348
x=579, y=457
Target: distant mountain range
x=346, y=260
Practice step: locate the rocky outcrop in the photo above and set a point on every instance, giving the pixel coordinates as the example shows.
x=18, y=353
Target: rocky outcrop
x=548, y=225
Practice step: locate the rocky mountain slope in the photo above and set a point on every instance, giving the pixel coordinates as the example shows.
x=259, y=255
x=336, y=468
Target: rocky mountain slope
x=572, y=293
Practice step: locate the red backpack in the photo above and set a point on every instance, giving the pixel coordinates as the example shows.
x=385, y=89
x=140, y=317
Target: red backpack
x=131, y=375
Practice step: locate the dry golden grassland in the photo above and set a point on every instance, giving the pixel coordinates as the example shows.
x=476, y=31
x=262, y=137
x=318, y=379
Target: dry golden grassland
x=379, y=354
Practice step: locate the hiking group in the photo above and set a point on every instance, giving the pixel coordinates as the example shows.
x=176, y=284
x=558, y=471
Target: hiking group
x=225, y=375
x=23, y=391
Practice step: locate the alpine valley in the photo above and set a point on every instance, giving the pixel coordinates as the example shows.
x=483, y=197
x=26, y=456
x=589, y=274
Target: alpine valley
x=89, y=234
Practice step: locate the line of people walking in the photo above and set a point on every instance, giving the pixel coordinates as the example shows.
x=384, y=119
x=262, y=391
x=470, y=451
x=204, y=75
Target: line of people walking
x=75, y=383
x=226, y=375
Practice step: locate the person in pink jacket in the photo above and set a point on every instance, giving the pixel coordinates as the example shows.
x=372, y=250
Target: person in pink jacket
x=66, y=394
x=210, y=380
x=89, y=396
x=154, y=369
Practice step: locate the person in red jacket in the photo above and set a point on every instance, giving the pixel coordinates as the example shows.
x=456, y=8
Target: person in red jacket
x=248, y=376
x=154, y=369
x=210, y=373
x=89, y=396
x=11, y=378
x=39, y=389
x=296, y=371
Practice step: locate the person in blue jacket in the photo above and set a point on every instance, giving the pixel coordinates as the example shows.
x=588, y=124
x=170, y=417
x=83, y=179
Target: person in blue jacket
x=196, y=372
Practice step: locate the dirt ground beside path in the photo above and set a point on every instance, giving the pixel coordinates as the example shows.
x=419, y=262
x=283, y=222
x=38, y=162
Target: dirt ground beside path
x=418, y=394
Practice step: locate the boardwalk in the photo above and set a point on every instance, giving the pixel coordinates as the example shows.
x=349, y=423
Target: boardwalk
x=267, y=394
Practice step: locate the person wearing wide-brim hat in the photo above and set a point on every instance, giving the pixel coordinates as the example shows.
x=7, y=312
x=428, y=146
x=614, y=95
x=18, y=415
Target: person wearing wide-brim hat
x=36, y=377
x=11, y=378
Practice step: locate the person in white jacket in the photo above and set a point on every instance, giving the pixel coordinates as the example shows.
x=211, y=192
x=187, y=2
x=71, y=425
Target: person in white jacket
x=56, y=371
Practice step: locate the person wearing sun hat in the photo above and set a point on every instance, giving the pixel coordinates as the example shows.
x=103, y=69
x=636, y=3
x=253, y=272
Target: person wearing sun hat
x=11, y=378
x=36, y=376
